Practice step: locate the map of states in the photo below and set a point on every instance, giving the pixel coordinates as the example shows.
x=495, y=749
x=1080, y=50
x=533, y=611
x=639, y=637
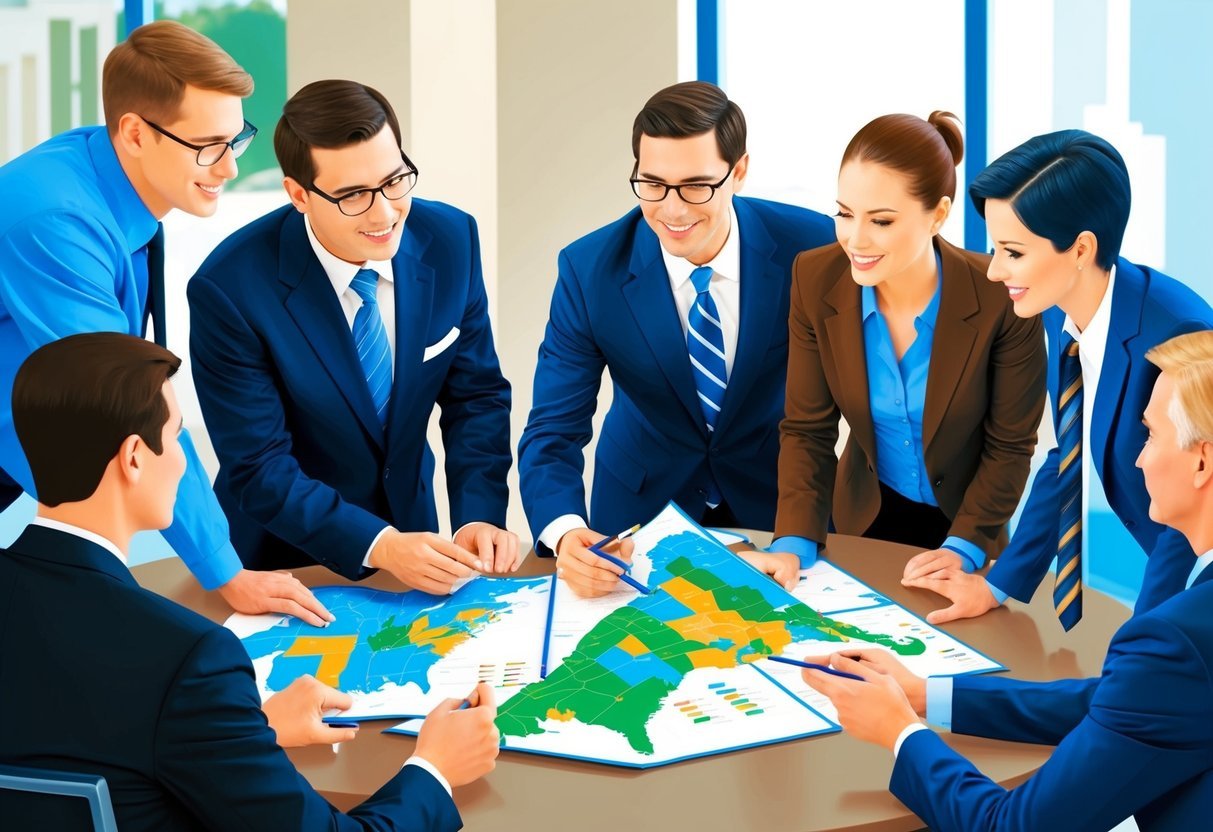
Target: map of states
x=399, y=654
x=708, y=609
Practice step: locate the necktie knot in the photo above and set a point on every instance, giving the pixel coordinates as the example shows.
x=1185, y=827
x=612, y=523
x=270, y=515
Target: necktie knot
x=365, y=284
x=701, y=277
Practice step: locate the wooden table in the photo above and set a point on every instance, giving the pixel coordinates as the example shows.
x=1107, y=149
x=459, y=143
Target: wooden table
x=830, y=782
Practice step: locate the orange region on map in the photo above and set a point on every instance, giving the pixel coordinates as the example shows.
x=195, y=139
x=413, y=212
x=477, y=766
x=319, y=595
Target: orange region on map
x=561, y=716
x=633, y=646
x=334, y=653
x=442, y=639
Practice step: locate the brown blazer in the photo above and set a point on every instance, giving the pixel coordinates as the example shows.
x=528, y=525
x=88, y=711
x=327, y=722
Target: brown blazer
x=985, y=395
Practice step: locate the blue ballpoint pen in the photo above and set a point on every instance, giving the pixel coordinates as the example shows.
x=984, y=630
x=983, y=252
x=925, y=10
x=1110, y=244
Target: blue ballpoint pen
x=625, y=577
x=812, y=666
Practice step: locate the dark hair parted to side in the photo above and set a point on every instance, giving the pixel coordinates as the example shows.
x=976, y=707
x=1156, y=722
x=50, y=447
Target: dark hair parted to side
x=148, y=72
x=328, y=114
x=76, y=400
x=691, y=109
x=927, y=152
x=1060, y=185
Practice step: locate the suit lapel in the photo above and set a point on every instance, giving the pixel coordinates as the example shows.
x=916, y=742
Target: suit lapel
x=648, y=295
x=845, y=349
x=317, y=312
x=953, y=341
x=1128, y=297
x=414, y=296
x=762, y=284
x=52, y=545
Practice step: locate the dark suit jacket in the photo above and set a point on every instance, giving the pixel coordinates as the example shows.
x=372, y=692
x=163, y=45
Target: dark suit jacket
x=306, y=472
x=1148, y=307
x=1137, y=741
x=100, y=676
x=613, y=308
x=985, y=396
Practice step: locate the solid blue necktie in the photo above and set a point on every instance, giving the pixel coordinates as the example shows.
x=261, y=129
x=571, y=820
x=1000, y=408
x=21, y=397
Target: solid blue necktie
x=370, y=338
x=1067, y=587
x=705, y=343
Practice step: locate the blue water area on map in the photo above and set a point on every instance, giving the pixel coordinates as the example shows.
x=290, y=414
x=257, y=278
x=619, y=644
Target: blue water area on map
x=364, y=613
x=637, y=669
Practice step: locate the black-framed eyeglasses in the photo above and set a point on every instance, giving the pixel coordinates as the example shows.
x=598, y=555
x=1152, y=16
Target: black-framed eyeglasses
x=210, y=154
x=694, y=193
x=360, y=201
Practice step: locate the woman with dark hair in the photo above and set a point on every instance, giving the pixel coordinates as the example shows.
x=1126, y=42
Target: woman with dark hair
x=900, y=333
x=1056, y=208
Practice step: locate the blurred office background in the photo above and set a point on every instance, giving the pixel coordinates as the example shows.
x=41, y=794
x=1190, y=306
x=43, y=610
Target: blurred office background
x=520, y=112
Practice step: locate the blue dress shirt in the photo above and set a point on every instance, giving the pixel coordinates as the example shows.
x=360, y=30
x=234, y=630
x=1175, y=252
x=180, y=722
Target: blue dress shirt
x=73, y=237
x=897, y=393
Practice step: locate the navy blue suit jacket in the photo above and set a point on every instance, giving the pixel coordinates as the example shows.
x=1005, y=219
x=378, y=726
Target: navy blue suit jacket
x=1147, y=308
x=306, y=471
x=1137, y=741
x=100, y=676
x=613, y=309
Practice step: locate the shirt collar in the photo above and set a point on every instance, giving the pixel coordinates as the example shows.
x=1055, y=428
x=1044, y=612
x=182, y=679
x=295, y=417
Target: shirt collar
x=137, y=223
x=1097, y=330
x=340, y=273
x=926, y=317
x=727, y=264
x=1201, y=562
x=91, y=537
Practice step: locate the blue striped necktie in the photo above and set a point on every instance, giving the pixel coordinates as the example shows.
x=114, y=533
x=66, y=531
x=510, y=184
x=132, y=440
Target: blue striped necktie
x=370, y=338
x=705, y=343
x=1067, y=587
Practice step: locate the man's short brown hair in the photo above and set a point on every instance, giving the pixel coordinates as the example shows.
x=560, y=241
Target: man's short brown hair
x=76, y=400
x=330, y=115
x=691, y=109
x=148, y=72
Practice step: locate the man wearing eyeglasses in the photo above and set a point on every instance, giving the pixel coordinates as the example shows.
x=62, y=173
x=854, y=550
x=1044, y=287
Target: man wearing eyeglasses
x=81, y=250
x=324, y=334
x=685, y=301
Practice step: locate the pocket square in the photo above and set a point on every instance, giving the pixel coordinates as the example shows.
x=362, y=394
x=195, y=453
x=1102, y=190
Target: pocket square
x=439, y=347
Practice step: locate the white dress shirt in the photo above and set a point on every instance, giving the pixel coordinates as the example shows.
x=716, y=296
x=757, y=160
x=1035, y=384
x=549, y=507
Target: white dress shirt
x=341, y=275
x=91, y=537
x=726, y=292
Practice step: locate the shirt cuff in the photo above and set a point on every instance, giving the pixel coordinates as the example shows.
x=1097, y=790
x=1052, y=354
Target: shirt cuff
x=423, y=763
x=559, y=527
x=999, y=596
x=224, y=565
x=939, y=701
x=909, y=729
x=366, y=561
x=801, y=547
x=972, y=553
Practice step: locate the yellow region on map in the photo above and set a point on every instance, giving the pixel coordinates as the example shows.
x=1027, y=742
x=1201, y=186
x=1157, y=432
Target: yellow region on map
x=334, y=653
x=710, y=624
x=633, y=646
x=443, y=639
x=562, y=716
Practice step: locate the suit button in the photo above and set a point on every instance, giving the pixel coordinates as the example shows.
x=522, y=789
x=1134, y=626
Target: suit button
x=715, y=452
x=387, y=472
x=1130, y=525
x=870, y=468
x=939, y=482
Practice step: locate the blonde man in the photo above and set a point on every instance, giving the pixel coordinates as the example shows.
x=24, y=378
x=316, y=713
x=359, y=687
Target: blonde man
x=81, y=250
x=1136, y=741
